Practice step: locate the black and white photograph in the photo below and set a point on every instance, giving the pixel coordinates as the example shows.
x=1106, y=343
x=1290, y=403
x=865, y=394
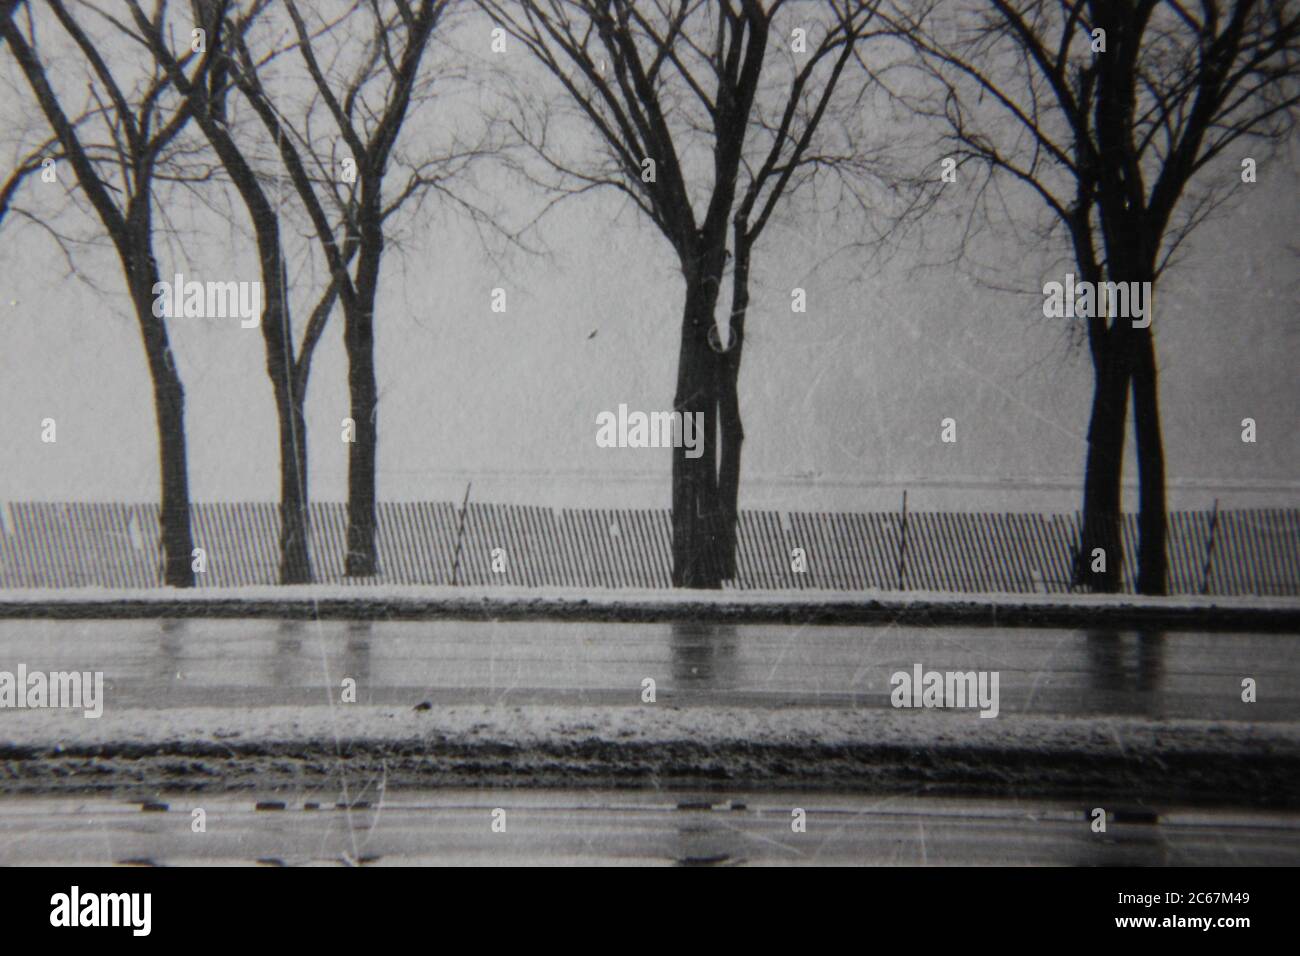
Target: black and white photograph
x=699, y=433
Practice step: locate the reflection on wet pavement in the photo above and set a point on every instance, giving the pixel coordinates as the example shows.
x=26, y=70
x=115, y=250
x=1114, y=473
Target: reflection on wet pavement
x=154, y=664
x=1127, y=671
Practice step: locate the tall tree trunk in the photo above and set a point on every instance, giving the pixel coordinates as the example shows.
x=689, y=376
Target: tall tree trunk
x=731, y=438
x=362, y=558
x=1152, y=519
x=295, y=524
x=359, y=341
x=730, y=426
x=1103, y=470
x=295, y=519
x=695, y=480
x=169, y=408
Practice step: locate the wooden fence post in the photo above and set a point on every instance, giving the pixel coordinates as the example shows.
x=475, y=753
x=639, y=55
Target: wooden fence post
x=902, y=547
x=1209, y=549
x=460, y=534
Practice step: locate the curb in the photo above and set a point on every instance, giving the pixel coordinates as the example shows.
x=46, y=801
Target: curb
x=1171, y=613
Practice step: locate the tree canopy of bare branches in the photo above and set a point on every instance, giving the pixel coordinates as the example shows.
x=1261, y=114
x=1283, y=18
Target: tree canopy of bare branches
x=1128, y=121
x=707, y=115
x=115, y=145
x=366, y=90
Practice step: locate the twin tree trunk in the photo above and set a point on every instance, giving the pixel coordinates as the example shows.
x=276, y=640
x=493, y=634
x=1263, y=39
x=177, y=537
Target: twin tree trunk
x=706, y=488
x=730, y=426
x=295, y=522
x=1126, y=362
x=277, y=336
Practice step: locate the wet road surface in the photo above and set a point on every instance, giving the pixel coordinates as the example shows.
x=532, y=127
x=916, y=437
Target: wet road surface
x=557, y=827
x=252, y=663
x=243, y=664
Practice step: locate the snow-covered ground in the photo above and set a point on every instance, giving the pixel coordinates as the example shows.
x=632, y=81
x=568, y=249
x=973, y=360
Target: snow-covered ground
x=656, y=745
x=527, y=726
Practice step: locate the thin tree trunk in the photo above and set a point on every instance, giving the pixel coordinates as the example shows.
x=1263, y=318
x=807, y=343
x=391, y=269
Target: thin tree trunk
x=295, y=525
x=169, y=408
x=1103, y=470
x=1152, y=519
x=295, y=520
x=695, y=480
x=731, y=438
x=363, y=389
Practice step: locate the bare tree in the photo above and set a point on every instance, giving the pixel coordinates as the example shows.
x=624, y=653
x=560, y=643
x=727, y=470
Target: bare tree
x=661, y=85
x=1114, y=114
x=366, y=87
x=285, y=366
x=135, y=125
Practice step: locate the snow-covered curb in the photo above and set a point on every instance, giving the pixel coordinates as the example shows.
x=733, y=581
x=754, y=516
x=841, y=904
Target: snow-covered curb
x=407, y=601
x=289, y=748
x=530, y=725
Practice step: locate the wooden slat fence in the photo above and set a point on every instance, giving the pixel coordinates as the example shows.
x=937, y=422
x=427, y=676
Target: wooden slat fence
x=1255, y=551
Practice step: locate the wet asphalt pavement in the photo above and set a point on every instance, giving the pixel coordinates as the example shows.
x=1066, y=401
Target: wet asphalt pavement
x=252, y=663
x=247, y=664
